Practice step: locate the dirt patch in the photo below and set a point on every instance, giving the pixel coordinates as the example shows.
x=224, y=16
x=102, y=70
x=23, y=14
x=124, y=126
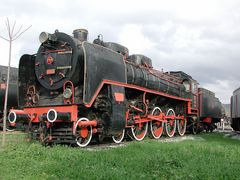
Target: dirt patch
x=236, y=137
x=180, y=138
x=233, y=135
x=229, y=132
x=101, y=147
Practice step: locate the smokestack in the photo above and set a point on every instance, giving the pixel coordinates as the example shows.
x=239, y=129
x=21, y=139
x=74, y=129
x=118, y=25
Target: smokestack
x=80, y=34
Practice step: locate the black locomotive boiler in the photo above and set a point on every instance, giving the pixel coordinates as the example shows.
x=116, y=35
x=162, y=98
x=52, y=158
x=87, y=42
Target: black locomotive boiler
x=74, y=91
x=12, y=92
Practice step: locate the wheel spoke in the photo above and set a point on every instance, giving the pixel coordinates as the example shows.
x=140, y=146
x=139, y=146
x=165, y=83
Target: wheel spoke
x=139, y=131
x=181, y=127
x=170, y=126
x=156, y=127
x=10, y=129
x=119, y=137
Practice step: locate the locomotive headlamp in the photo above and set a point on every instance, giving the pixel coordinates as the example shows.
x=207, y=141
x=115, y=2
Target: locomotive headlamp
x=67, y=93
x=43, y=37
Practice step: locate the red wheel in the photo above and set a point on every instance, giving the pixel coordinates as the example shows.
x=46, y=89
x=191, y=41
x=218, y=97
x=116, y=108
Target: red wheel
x=156, y=127
x=139, y=131
x=181, y=127
x=170, y=126
x=83, y=134
x=119, y=137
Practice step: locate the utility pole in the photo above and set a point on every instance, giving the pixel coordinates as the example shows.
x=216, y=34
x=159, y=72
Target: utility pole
x=12, y=36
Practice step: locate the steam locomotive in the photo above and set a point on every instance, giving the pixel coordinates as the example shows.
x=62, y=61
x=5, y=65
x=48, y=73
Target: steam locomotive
x=74, y=91
x=12, y=93
x=235, y=111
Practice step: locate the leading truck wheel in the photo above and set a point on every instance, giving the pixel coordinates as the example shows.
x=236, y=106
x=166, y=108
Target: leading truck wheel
x=194, y=126
x=139, y=131
x=118, y=137
x=194, y=129
x=10, y=129
x=83, y=134
x=156, y=127
x=181, y=127
x=170, y=126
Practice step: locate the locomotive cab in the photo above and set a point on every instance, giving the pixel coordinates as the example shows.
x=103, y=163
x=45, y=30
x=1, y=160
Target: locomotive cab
x=190, y=85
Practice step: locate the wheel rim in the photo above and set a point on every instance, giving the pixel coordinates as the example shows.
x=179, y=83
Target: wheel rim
x=119, y=137
x=170, y=125
x=139, y=131
x=83, y=134
x=10, y=129
x=181, y=127
x=156, y=127
x=193, y=127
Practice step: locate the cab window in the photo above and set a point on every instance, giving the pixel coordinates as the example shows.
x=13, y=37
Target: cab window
x=186, y=84
x=194, y=87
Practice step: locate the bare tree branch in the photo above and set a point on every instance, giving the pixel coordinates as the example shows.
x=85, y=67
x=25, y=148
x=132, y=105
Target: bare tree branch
x=13, y=36
x=13, y=28
x=21, y=33
x=8, y=28
x=4, y=38
x=6, y=24
x=17, y=32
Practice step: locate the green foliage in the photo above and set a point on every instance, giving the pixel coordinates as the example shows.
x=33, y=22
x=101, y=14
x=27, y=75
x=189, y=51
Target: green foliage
x=210, y=156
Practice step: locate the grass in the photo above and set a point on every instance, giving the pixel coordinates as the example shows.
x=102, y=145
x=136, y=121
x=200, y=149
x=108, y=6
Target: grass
x=211, y=156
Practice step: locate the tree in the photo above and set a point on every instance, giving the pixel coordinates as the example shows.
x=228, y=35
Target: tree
x=12, y=36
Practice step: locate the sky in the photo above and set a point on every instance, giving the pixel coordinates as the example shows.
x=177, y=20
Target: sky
x=199, y=37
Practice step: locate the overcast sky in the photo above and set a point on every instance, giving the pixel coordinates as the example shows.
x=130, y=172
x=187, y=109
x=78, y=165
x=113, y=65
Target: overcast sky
x=199, y=37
